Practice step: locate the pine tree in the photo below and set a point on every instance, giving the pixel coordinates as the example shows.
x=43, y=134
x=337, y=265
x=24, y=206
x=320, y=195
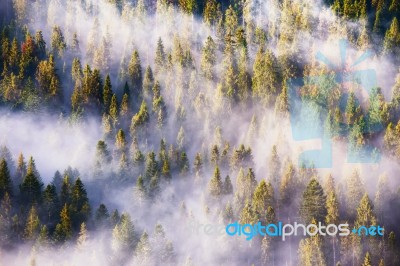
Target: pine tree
x=310, y=251
x=274, y=167
x=392, y=37
x=31, y=187
x=154, y=186
x=76, y=71
x=288, y=185
x=5, y=179
x=40, y=45
x=227, y=186
x=120, y=142
x=263, y=198
x=248, y=215
x=135, y=74
x=124, y=110
x=102, y=153
x=58, y=44
x=382, y=196
x=211, y=12
x=140, y=118
x=180, y=139
x=148, y=83
x=332, y=208
x=143, y=250
x=365, y=214
x=282, y=102
x=160, y=59
x=246, y=184
x=113, y=111
x=183, y=164
x=367, y=260
x=354, y=193
x=43, y=239
x=266, y=78
x=32, y=227
x=166, y=169
x=214, y=158
x=21, y=170
x=81, y=242
x=313, y=205
x=102, y=217
x=208, y=58
x=65, y=193
x=51, y=202
x=215, y=187
x=152, y=167
x=244, y=77
x=107, y=94
x=63, y=230
x=198, y=163
x=231, y=25
x=80, y=208
x=124, y=234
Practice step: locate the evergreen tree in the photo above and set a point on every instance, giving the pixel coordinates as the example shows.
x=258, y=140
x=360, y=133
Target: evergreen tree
x=21, y=170
x=227, y=186
x=266, y=78
x=81, y=242
x=208, y=58
x=5, y=179
x=148, y=82
x=102, y=153
x=263, y=198
x=80, y=208
x=365, y=214
x=274, y=167
x=354, y=193
x=215, y=187
x=313, y=205
x=152, y=168
x=124, y=234
x=32, y=227
x=248, y=215
x=214, y=158
x=113, y=111
x=140, y=119
x=31, y=187
x=392, y=37
x=58, y=44
x=244, y=77
x=135, y=74
x=102, y=217
x=107, y=94
x=63, y=230
x=51, y=203
x=160, y=59
x=143, y=250
x=246, y=184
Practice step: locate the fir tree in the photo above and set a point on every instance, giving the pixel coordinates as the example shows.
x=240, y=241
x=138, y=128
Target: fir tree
x=313, y=205
x=215, y=187
x=63, y=230
x=5, y=179
x=135, y=74
x=32, y=227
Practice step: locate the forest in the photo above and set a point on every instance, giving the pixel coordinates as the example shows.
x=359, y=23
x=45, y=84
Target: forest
x=124, y=123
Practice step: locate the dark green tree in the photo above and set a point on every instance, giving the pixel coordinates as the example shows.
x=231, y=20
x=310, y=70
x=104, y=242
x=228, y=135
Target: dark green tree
x=313, y=205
